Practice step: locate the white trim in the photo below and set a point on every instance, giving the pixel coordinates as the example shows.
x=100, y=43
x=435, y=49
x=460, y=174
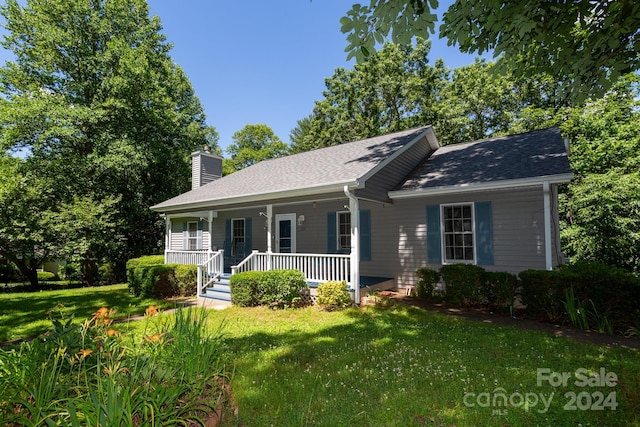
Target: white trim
x=354, y=208
x=482, y=186
x=232, y=249
x=284, y=217
x=445, y=261
x=258, y=197
x=547, y=226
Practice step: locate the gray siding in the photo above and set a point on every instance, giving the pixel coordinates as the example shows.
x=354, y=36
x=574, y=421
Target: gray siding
x=398, y=231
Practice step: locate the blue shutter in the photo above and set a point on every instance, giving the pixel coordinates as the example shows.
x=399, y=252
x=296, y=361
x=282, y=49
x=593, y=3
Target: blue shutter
x=434, y=245
x=185, y=236
x=365, y=235
x=332, y=233
x=248, y=242
x=227, y=238
x=199, y=244
x=484, y=233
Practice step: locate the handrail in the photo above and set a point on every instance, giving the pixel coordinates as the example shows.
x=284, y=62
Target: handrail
x=210, y=270
x=243, y=265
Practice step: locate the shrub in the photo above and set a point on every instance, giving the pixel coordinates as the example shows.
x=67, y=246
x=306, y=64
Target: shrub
x=281, y=288
x=186, y=279
x=427, y=282
x=148, y=276
x=333, y=295
x=245, y=288
x=8, y=272
x=463, y=284
x=499, y=288
x=71, y=272
x=542, y=293
x=107, y=274
x=46, y=276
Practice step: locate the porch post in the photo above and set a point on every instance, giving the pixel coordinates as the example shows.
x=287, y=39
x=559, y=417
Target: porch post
x=210, y=248
x=269, y=237
x=354, y=208
x=167, y=236
x=547, y=225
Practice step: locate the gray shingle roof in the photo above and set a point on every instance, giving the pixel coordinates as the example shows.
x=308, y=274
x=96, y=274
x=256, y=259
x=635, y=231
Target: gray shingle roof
x=332, y=166
x=529, y=155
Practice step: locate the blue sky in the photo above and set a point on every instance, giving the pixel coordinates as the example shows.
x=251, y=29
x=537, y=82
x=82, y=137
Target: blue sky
x=261, y=61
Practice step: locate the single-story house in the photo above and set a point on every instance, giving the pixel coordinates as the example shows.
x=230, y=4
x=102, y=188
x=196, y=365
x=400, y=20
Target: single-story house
x=375, y=210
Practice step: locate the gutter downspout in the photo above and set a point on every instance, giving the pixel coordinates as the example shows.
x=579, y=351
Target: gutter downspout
x=547, y=225
x=354, y=208
x=269, y=235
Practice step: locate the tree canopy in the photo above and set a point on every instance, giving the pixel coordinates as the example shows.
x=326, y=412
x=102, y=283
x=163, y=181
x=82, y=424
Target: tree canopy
x=251, y=145
x=589, y=44
x=100, y=108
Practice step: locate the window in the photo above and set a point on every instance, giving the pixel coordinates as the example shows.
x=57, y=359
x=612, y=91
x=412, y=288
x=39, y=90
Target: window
x=457, y=221
x=344, y=231
x=192, y=236
x=237, y=236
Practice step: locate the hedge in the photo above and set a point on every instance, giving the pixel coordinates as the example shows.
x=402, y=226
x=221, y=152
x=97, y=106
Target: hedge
x=148, y=276
x=275, y=288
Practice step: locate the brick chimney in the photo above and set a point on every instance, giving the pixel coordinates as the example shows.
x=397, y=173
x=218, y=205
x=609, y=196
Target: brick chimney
x=205, y=167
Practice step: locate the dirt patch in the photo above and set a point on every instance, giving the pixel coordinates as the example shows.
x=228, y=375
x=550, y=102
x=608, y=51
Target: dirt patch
x=517, y=321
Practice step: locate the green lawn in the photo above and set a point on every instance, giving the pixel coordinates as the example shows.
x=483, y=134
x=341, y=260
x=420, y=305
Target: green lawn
x=25, y=314
x=403, y=366
x=397, y=366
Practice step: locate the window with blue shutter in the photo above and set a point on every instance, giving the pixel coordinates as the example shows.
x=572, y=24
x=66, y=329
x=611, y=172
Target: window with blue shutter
x=339, y=233
x=484, y=233
x=434, y=244
x=185, y=236
x=248, y=242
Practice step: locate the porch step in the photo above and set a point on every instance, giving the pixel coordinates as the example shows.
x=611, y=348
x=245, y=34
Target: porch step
x=219, y=289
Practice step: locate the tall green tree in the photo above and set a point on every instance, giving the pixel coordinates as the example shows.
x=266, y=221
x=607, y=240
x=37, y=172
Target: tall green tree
x=252, y=144
x=394, y=89
x=602, y=204
x=101, y=109
x=589, y=44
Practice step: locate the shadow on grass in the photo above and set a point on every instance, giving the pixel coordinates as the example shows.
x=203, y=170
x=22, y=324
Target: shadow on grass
x=25, y=315
x=405, y=366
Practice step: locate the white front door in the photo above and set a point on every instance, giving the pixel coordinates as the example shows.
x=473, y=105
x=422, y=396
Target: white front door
x=286, y=233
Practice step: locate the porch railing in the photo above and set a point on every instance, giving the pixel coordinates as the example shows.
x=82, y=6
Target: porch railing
x=187, y=257
x=315, y=267
x=210, y=270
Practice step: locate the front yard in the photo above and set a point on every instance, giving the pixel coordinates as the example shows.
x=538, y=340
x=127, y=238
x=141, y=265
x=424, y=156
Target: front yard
x=393, y=366
x=404, y=366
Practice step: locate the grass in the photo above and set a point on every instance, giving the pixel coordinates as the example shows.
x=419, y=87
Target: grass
x=25, y=314
x=403, y=366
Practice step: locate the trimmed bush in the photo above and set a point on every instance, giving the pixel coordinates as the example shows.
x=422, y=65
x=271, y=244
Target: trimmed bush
x=148, y=276
x=499, y=288
x=281, y=288
x=542, y=293
x=245, y=288
x=46, y=276
x=427, y=281
x=186, y=279
x=463, y=284
x=333, y=295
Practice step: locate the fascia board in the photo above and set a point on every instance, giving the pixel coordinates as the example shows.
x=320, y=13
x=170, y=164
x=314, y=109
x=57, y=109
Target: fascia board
x=484, y=186
x=254, y=198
